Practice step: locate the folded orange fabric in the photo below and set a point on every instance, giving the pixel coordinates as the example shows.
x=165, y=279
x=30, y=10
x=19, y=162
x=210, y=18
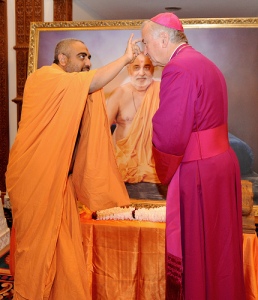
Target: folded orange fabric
x=133, y=153
x=48, y=239
x=96, y=178
x=250, y=258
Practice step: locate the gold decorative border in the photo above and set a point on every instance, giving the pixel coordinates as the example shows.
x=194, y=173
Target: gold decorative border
x=218, y=22
x=146, y=203
x=36, y=27
x=255, y=211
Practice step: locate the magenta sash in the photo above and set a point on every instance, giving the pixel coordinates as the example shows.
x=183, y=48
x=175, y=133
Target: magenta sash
x=202, y=145
x=207, y=143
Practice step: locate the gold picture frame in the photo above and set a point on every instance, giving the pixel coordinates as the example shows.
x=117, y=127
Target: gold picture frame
x=230, y=42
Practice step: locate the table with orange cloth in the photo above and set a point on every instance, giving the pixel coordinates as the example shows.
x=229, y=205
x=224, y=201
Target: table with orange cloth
x=126, y=260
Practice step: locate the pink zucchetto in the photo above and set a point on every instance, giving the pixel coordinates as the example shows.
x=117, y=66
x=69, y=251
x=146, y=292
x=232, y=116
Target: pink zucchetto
x=168, y=20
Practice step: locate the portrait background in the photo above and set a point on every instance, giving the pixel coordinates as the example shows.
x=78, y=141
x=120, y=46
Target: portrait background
x=231, y=44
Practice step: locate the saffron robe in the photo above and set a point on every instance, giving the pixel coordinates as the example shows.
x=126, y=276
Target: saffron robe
x=133, y=153
x=49, y=258
x=205, y=230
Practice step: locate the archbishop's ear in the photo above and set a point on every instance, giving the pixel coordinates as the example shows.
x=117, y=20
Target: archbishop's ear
x=62, y=59
x=164, y=39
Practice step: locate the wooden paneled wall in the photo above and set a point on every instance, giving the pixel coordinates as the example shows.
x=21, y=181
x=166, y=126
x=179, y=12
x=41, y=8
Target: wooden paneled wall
x=63, y=10
x=4, y=108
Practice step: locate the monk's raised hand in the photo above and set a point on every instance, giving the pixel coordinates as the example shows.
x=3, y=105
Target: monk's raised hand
x=132, y=49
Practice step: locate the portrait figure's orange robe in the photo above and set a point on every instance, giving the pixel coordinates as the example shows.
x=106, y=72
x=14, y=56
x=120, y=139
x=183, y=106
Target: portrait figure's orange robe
x=134, y=152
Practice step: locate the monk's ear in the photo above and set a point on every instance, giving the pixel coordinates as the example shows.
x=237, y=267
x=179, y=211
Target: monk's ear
x=62, y=59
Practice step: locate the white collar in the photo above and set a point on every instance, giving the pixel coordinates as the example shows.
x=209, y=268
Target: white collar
x=175, y=50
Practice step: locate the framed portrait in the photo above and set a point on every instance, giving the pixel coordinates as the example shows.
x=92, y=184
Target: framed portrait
x=231, y=43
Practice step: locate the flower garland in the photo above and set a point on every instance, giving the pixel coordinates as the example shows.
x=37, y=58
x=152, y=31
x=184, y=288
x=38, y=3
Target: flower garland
x=156, y=214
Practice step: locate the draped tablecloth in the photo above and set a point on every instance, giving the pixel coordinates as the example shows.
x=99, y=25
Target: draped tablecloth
x=250, y=250
x=126, y=260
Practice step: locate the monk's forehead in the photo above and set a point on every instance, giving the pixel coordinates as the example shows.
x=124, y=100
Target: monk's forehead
x=141, y=59
x=80, y=47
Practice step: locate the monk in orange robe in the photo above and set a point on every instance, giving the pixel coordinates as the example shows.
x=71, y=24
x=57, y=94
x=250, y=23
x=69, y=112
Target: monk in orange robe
x=42, y=184
x=131, y=107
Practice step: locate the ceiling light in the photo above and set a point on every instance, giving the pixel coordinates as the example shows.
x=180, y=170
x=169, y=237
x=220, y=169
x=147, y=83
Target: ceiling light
x=171, y=8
